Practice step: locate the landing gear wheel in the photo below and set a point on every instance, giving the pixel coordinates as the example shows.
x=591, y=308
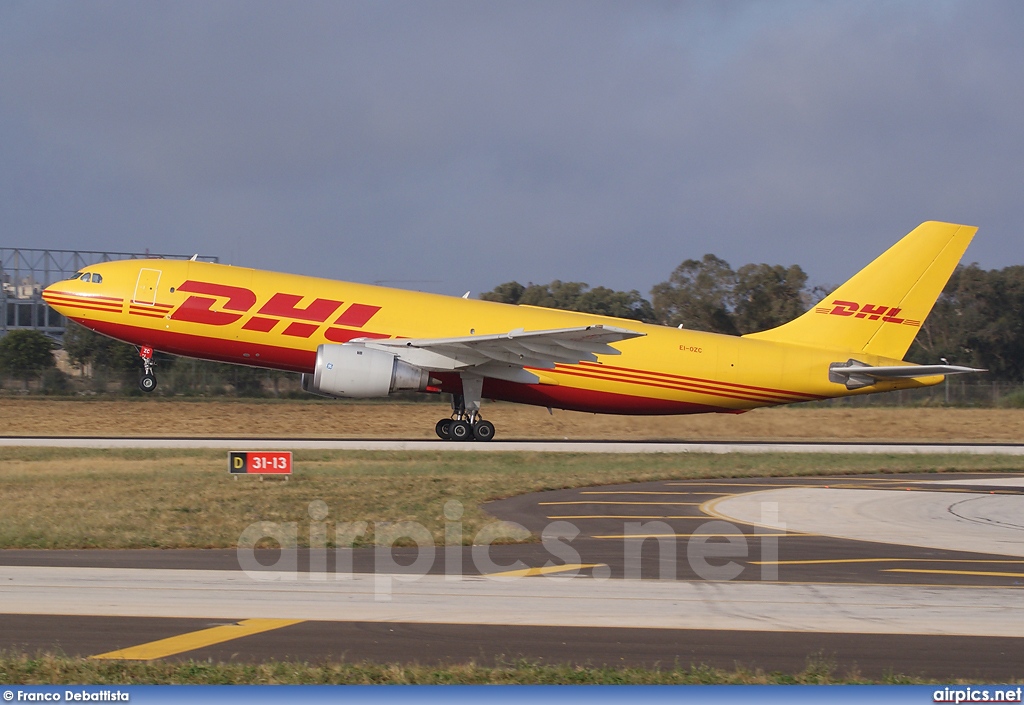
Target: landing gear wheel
x=483, y=430
x=147, y=382
x=460, y=431
x=443, y=429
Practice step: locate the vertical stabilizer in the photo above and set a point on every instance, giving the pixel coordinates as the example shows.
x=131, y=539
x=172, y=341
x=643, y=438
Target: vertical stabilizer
x=880, y=310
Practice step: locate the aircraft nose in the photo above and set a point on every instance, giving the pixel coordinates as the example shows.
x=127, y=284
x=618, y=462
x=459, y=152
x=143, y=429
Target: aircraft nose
x=59, y=293
x=49, y=294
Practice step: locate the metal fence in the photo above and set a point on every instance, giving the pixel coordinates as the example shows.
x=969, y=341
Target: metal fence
x=25, y=272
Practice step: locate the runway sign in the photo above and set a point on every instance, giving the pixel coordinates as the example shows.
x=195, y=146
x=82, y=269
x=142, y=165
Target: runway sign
x=276, y=462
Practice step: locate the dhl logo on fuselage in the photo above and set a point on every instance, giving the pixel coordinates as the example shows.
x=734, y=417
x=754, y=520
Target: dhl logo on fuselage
x=235, y=302
x=869, y=311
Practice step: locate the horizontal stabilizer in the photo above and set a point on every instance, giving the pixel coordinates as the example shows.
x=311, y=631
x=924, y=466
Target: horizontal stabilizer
x=856, y=374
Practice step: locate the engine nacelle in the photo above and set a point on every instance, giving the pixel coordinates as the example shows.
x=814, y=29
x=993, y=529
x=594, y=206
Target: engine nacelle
x=354, y=371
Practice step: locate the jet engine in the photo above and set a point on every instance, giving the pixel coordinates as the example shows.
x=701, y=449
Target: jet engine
x=354, y=371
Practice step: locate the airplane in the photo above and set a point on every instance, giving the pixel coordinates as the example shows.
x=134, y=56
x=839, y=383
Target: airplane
x=360, y=341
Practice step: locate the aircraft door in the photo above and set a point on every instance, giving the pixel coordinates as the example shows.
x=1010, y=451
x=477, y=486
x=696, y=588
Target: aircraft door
x=145, y=287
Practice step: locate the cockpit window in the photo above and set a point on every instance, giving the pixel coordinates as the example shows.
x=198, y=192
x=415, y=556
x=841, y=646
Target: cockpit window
x=90, y=277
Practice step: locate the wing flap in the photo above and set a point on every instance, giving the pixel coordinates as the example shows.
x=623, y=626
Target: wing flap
x=540, y=349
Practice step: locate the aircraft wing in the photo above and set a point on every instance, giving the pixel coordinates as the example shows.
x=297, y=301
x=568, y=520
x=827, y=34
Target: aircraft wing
x=504, y=355
x=856, y=374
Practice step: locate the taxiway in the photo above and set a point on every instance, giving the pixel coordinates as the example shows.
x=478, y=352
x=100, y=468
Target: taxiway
x=884, y=573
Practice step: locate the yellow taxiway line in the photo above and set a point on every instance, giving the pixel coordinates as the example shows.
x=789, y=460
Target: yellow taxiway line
x=544, y=570
x=643, y=504
x=734, y=484
x=823, y=561
x=627, y=516
x=654, y=493
x=196, y=640
x=685, y=536
x=936, y=571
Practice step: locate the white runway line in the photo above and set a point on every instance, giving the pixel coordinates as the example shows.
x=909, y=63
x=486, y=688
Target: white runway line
x=517, y=446
x=982, y=523
x=579, y=602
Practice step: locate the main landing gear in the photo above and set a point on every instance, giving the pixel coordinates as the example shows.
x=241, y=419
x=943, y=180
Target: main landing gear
x=147, y=381
x=465, y=423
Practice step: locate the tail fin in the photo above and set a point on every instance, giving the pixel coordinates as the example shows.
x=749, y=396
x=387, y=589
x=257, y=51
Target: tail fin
x=880, y=310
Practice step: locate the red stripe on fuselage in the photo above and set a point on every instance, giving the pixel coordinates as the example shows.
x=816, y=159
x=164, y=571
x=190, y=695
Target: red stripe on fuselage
x=693, y=388
x=570, y=399
x=719, y=389
x=73, y=295
x=86, y=305
x=734, y=385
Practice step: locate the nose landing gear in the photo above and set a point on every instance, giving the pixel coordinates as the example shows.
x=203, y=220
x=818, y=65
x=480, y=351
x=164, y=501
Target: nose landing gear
x=147, y=381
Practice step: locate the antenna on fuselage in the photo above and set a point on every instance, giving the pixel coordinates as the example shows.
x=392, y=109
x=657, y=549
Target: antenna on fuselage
x=194, y=257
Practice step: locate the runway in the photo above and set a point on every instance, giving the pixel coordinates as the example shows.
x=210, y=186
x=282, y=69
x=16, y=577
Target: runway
x=685, y=571
x=540, y=602
x=513, y=446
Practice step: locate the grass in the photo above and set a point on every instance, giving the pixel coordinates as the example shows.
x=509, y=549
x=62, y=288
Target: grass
x=1013, y=400
x=52, y=669
x=389, y=419
x=73, y=498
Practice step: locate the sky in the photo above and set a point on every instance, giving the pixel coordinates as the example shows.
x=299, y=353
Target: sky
x=452, y=146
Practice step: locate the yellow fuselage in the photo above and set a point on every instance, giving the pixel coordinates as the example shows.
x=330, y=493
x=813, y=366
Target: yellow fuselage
x=272, y=320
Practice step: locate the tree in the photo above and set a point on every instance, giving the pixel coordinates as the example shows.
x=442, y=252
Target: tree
x=575, y=296
x=706, y=294
x=619, y=304
x=557, y=294
x=86, y=347
x=507, y=293
x=697, y=295
x=978, y=320
x=26, y=353
x=766, y=296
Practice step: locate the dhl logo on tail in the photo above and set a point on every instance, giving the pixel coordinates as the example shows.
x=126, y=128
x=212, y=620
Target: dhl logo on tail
x=887, y=314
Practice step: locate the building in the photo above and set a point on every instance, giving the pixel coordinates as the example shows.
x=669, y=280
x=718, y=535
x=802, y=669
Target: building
x=24, y=273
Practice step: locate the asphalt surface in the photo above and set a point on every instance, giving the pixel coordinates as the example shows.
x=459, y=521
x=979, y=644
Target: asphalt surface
x=673, y=538
x=873, y=656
